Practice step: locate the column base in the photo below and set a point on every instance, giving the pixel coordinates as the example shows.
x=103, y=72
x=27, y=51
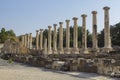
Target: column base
x=85, y=51
x=107, y=49
x=50, y=52
x=95, y=50
x=67, y=51
x=76, y=51
x=61, y=52
x=55, y=52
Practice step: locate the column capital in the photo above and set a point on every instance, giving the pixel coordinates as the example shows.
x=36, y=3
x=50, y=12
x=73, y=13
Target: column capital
x=41, y=30
x=83, y=15
x=37, y=31
x=49, y=27
x=94, y=12
x=54, y=25
x=67, y=20
x=106, y=8
x=60, y=22
x=30, y=33
x=75, y=18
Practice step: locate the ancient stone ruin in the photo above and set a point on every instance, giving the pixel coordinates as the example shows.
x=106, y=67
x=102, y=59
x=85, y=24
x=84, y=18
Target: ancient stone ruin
x=85, y=59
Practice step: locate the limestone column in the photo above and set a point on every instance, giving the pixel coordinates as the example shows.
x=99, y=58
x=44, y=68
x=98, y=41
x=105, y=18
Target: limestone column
x=84, y=34
x=30, y=40
x=75, y=36
x=67, y=37
x=107, y=39
x=61, y=38
x=41, y=39
x=45, y=47
x=22, y=39
x=94, y=31
x=55, y=39
x=25, y=41
x=49, y=40
x=37, y=39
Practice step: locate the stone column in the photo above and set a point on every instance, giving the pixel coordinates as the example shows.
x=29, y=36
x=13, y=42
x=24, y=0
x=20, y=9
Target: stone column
x=45, y=47
x=41, y=39
x=23, y=43
x=55, y=39
x=75, y=36
x=94, y=31
x=107, y=39
x=67, y=37
x=84, y=34
x=30, y=40
x=26, y=40
x=49, y=40
x=61, y=38
x=37, y=39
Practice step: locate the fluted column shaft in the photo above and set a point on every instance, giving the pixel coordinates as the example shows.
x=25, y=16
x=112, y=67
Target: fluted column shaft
x=94, y=31
x=107, y=38
x=84, y=34
x=37, y=39
x=55, y=38
x=41, y=39
x=49, y=40
x=61, y=37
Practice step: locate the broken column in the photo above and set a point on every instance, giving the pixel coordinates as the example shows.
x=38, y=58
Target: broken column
x=75, y=40
x=55, y=40
x=67, y=37
x=84, y=34
x=49, y=40
x=61, y=38
x=94, y=32
x=41, y=39
x=107, y=38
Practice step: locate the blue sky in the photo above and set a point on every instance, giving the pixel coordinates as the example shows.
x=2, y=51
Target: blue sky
x=25, y=16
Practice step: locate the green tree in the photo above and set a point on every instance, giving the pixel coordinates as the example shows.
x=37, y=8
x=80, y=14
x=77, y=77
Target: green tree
x=3, y=35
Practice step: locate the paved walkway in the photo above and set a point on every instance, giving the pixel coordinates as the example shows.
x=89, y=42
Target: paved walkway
x=16, y=71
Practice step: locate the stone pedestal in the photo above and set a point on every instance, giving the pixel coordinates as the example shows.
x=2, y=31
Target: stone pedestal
x=41, y=39
x=55, y=40
x=37, y=39
x=94, y=32
x=107, y=38
x=61, y=38
x=75, y=43
x=49, y=40
x=67, y=37
x=84, y=35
